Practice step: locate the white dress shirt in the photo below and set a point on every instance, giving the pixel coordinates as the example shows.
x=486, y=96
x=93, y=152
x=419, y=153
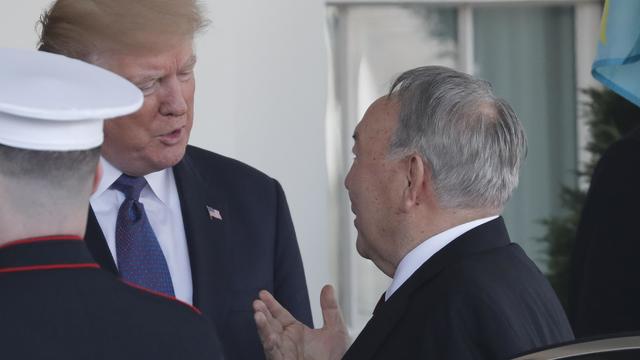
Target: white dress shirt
x=162, y=205
x=423, y=252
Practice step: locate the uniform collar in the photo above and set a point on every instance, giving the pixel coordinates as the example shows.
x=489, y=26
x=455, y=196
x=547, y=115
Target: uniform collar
x=45, y=253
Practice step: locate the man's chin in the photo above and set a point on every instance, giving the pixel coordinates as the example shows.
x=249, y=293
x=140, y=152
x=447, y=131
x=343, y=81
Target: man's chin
x=163, y=160
x=361, y=249
x=170, y=159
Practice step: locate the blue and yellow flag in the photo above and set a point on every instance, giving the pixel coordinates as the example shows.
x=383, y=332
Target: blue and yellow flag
x=617, y=64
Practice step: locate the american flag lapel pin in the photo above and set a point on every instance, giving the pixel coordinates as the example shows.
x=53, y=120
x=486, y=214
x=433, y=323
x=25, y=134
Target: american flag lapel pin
x=214, y=213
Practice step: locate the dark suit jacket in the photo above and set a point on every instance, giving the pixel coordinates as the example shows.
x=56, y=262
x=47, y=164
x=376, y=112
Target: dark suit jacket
x=480, y=297
x=253, y=247
x=56, y=303
x=604, y=291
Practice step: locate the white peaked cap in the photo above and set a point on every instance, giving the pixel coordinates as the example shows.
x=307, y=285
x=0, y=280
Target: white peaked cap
x=54, y=103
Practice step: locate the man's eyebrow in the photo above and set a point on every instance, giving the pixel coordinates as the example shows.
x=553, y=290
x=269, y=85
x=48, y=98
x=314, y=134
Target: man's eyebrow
x=190, y=63
x=152, y=75
x=143, y=78
x=354, y=136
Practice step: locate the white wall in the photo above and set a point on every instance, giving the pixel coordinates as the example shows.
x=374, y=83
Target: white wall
x=260, y=98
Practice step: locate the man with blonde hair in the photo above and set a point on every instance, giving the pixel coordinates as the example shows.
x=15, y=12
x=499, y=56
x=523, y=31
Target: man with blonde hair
x=214, y=230
x=56, y=302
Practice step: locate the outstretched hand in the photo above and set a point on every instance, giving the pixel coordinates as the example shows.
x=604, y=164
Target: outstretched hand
x=285, y=338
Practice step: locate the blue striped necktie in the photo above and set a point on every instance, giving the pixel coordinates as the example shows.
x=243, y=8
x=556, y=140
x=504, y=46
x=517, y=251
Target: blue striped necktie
x=140, y=258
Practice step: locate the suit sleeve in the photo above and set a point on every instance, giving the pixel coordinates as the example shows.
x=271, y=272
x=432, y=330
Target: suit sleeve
x=290, y=286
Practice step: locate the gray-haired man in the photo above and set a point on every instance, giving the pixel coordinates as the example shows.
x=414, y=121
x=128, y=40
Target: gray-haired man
x=435, y=162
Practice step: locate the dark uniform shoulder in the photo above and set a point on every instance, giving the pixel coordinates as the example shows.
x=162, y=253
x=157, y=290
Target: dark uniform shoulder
x=162, y=300
x=180, y=327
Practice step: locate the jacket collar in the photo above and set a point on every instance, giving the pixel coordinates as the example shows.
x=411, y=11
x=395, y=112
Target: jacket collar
x=206, y=236
x=45, y=253
x=490, y=235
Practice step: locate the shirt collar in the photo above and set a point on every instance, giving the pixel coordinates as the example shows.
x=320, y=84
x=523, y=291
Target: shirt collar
x=109, y=175
x=159, y=182
x=423, y=252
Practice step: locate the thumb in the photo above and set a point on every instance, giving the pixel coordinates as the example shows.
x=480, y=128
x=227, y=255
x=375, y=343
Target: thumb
x=331, y=313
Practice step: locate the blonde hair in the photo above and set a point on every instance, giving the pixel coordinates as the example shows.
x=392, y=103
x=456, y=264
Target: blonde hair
x=83, y=29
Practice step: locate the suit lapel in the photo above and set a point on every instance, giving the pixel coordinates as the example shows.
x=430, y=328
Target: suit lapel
x=97, y=244
x=206, y=238
x=486, y=236
x=382, y=323
x=377, y=329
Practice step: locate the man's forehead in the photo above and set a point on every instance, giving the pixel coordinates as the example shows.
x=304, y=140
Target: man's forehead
x=175, y=51
x=380, y=116
x=138, y=66
x=160, y=61
x=378, y=124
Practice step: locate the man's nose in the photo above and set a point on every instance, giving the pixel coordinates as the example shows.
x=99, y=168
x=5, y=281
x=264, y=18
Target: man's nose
x=173, y=98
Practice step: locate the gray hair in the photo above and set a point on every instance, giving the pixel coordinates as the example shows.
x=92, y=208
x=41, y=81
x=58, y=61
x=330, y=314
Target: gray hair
x=471, y=139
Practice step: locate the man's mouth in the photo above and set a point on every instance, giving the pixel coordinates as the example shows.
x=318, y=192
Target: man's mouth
x=173, y=137
x=355, y=217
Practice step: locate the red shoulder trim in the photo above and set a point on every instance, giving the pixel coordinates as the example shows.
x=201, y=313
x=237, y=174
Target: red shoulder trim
x=41, y=239
x=49, y=267
x=172, y=298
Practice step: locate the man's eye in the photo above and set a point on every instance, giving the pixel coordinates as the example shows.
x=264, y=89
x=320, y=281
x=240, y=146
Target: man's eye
x=186, y=75
x=147, y=87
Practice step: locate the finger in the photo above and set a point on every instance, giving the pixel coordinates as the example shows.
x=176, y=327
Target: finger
x=331, y=312
x=260, y=306
x=267, y=337
x=277, y=311
x=269, y=330
x=270, y=341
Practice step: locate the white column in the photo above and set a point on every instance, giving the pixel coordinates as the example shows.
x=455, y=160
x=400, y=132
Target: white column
x=465, y=39
x=587, y=28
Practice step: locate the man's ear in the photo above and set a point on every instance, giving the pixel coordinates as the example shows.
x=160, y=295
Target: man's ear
x=417, y=176
x=97, y=177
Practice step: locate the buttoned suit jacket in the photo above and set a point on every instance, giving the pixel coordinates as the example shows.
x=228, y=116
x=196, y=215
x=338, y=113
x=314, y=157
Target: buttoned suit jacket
x=480, y=297
x=253, y=246
x=57, y=303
